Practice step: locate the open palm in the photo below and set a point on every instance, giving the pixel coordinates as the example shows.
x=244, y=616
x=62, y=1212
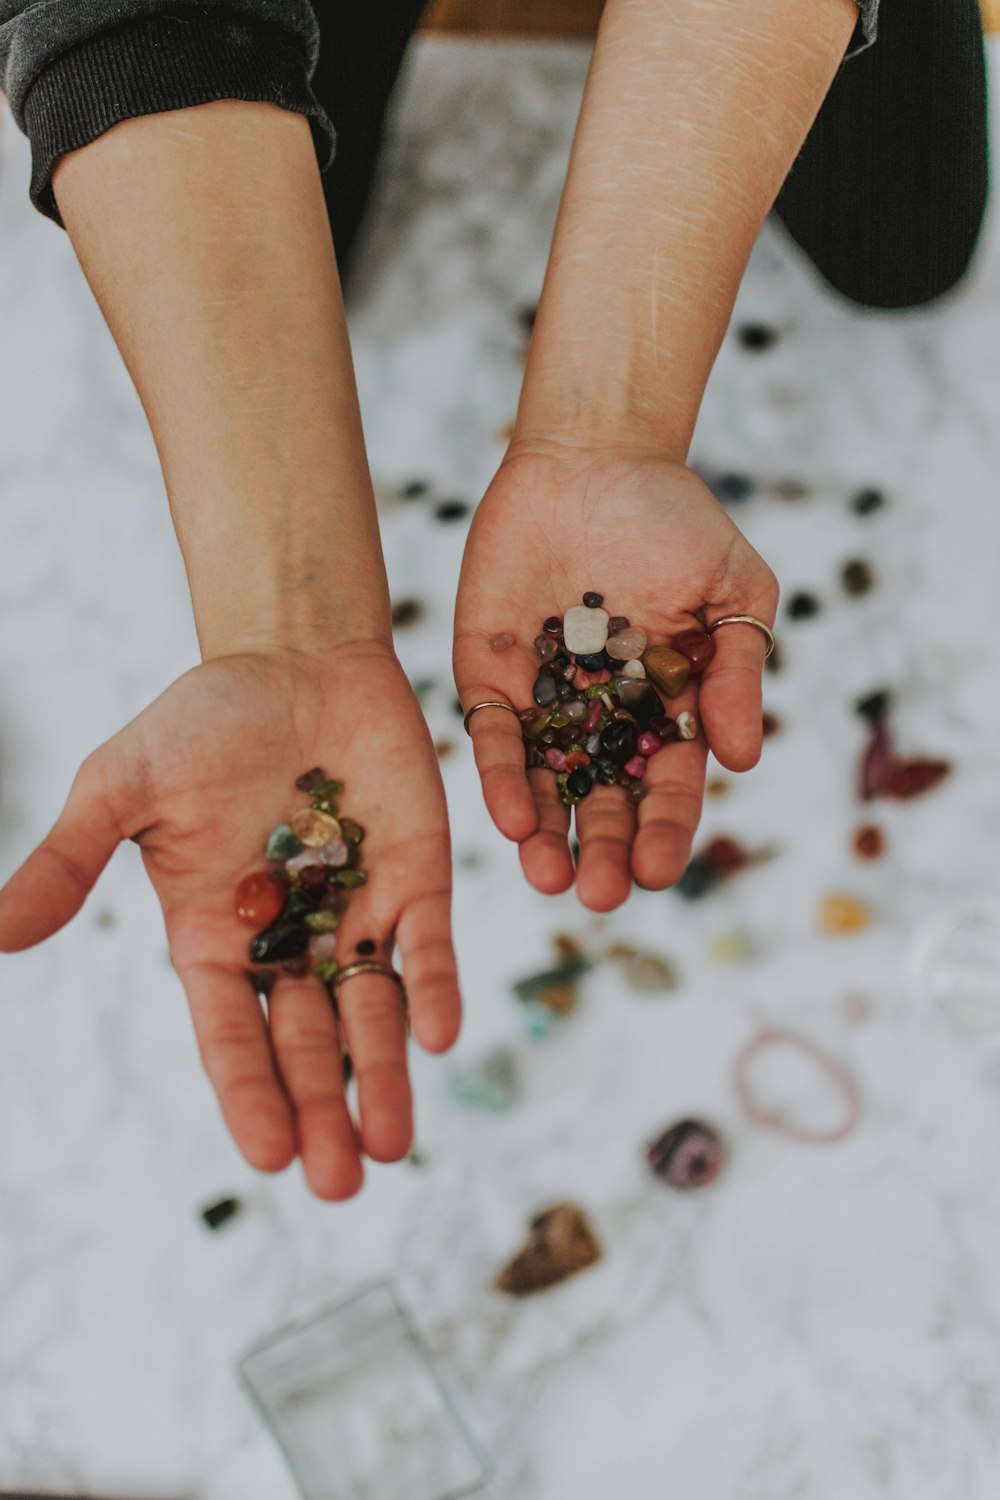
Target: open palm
x=652, y=539
x=198, y=780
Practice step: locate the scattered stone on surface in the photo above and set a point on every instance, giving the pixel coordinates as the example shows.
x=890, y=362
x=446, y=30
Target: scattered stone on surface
x=726, y=855
x=105, y=918
x=560, y=1243
x=718, y=786
x=840, y=914
x=644, y=972
x=492, y=1084
x=802, y=605
x=770, y=724
x=689, y=1154
x=790, y=489
x=452, y=510
x=868, y=841
x=731, y=486
x=731, y=948
x=217, y=1214
x=555, y=989
x=878, y=761
x=912, y=778
x=865, y=501
x=857, y=577
x=757, y=337
x=697, y=880
x=874, y=706
x=444, y=748
x=406, y=612
x=413, y=489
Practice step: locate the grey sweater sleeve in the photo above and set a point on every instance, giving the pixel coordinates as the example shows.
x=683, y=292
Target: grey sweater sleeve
x=71, y=69
x=867, y=28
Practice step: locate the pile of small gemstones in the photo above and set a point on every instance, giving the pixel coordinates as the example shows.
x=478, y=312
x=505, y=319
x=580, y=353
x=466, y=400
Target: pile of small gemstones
x=297, y=904
x=598, y=717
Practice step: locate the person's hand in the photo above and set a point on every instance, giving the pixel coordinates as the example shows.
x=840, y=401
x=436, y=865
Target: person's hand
x=652, y=539
x=198, y=780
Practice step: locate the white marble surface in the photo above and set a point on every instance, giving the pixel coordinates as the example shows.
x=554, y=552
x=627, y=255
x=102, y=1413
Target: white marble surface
x=824, y=1322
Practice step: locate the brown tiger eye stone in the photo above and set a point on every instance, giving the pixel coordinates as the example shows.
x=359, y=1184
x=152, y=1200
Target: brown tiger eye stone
x=667, y=668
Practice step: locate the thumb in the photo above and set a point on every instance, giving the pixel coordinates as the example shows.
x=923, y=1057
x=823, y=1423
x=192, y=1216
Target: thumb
x=54, y=881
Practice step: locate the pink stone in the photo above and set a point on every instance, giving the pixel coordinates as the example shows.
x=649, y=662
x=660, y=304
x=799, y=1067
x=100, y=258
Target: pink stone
x=649, y=743
x=303, y=860
x=636, y=766
x=627, y=644
x=594, y=710
x=334, y=853
x=556, y=759
x=322, y=945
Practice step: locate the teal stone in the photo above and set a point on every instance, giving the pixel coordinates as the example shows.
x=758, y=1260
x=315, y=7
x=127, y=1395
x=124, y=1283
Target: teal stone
x=283, y=843
x=527, y=990
x=538, y=1021
x=493, y=1084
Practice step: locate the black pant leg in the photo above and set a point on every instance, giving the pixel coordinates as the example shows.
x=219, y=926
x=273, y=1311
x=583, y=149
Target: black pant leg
x=362, y=44
x=888, y=193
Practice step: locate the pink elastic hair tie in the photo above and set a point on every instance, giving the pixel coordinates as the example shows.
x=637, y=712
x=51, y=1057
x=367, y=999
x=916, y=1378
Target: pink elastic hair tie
x=776, y=1036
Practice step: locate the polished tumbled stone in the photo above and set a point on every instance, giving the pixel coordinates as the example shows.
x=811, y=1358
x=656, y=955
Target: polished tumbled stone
x=667, y=668
x=585, y=630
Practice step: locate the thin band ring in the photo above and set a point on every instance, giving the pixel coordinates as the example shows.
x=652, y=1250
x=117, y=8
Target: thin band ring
x=369, y=966
x=486, y=703
x=746, y=620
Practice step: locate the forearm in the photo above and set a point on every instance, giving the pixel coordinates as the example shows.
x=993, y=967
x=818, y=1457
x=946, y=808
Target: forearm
x=204, y=236
x=692, y=117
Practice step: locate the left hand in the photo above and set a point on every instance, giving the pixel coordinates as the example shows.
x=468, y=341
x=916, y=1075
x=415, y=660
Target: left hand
x=650, y=537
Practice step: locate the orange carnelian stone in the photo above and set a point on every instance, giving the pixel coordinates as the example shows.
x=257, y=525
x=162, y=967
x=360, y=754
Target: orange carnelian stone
x=577, y=758
x=260, y=898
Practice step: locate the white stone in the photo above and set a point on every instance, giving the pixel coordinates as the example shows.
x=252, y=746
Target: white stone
x=585, y=631
x=634, y=669
x=688, y=725
x=334, y=853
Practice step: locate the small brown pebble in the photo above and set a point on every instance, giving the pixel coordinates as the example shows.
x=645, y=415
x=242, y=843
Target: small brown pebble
x=725, y=855
x=444, y=748
x=560, y=999
x=857, y=577
x=717, y=786
x=452, y=510
x=770, y=724
x=502, y=642
x=790, y=489
x=912, y=778
x=309, y=779
x=868, y=841
x=406, y=612
x=560, y=1243
x=568, y=948
x=840, y=914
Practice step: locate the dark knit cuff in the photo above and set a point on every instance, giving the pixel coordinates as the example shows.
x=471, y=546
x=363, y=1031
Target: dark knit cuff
x=161, y=63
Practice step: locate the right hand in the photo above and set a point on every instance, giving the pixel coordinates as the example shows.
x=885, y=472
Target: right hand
x=198, y=780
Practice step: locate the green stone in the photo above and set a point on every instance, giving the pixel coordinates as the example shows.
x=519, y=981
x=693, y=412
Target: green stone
x=322, y=921
x=559, y=720
x=491, y=1085
x=530, y=990
x=326, y=969
x=535, y=726
x=595, y=690
x=350, y=880
x=351, y=832
x=283, y=843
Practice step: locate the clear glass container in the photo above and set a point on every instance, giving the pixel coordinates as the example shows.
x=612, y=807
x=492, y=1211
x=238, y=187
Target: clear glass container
x=359, y=1409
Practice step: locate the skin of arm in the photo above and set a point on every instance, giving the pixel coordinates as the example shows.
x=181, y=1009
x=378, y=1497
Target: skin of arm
x=692, y=116
x=204, y=236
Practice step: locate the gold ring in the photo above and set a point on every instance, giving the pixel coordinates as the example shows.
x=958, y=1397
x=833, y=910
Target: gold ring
x=486, y=703
x=369, y=966
x=746, y=620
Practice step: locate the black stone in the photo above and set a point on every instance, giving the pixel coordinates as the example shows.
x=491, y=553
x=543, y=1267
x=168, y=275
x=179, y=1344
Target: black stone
x=596, y=661
x=867, y=500
x=802, y=606
x=414, y=488
x=874, y=706
x=216, y=1214
x=579, y=784
x=607, y=771
x=757, y=337
x=283, y=939
x=309, y=779
x=619, y=741
x=732, y=486
x=697, y=880
x=564, y=690
x=592, y=600
x=641, y=700
x=452, y=510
